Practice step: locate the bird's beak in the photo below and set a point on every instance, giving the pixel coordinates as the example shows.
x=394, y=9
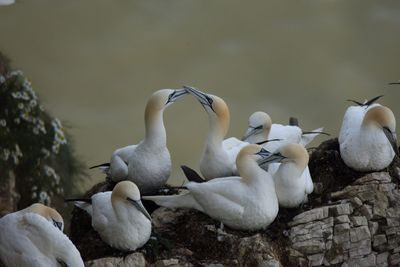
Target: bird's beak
x=139, y=205
x=271, y=158
x=392, y=83
x=175, y=95
x=252, y=131
x=392, y=139
x=264, y=153
x=204, y=99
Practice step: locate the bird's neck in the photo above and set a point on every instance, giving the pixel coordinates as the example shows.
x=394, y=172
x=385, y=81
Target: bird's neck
x=120, y=210
x=290, y=169
x=155, y=130
x=250, y=171
x=217, y=132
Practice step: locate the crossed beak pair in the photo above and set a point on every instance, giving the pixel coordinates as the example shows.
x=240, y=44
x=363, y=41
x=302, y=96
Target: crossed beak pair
x=268, y=157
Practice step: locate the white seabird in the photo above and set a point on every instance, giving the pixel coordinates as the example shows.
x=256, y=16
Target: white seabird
x=292, y=185
x=219, y=156
x=367, y=137
x=261, y=129
x=33, y=237
x=119, y=216
x=244, y=202
x=147, y=164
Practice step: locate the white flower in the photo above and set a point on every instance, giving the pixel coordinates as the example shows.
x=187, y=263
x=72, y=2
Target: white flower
x=17, y=120
x=44, y=197
x=3, y=122
x=55, y=148
x=45, y=152
x=20, y=105
x=36, y=131
x=18, y=151
x=49, y=171
x=6, y=154
x=33, y=103
x=2, y=79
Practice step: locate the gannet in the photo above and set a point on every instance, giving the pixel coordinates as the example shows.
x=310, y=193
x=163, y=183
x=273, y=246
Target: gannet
x=244, y=202
x=33, y=237
x=292, y=185
x=261, y=128
x=119, y=216
x=147, y=164
x=367, y=138
x=219, y=156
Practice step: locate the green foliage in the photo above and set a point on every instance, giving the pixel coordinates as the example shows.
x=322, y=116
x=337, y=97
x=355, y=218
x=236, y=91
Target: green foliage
x=32, y=143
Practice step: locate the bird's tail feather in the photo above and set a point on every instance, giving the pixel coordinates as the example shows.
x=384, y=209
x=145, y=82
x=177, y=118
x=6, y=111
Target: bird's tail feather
x=104, y=167
x=177, y=201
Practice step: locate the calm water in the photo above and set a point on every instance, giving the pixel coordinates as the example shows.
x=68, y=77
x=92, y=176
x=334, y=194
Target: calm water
x=95, y=62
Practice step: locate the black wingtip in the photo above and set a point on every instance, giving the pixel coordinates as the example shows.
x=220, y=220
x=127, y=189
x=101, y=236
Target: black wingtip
x=393, y=83
x=192, y=175
x=87, y=200
x=324, y=133
x=101, y=165
x=293, y=121
x=267, y=141
x=355, y=102
x=370, y=102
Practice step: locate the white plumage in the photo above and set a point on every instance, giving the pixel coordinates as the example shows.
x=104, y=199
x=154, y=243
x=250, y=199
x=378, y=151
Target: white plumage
x=287, y=134
x=292, y=178
x=245, y=202
x=30, y=238
x=119, y=216
x=367, y=137
x=147, y=164
x=219, y=156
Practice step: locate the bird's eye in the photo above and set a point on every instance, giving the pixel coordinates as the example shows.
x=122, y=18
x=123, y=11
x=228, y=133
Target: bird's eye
x=209, y=100
x=57, y=224
x=170, y=97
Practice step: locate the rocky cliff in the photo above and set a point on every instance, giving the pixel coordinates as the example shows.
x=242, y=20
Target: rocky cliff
x=352, y=219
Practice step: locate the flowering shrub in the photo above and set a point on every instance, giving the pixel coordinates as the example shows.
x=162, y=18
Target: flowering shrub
x=32, y=143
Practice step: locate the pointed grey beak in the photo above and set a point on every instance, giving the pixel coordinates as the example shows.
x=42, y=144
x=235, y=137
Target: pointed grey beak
x=204, y=99
x=392, y=83
x=392, y=139
x=276, y=157
x=138, y=204
x=252, y=131
x=264, y=153
x=174, y=96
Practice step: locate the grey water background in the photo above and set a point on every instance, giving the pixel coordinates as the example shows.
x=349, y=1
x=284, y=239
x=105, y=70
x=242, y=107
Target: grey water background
x=94, y=63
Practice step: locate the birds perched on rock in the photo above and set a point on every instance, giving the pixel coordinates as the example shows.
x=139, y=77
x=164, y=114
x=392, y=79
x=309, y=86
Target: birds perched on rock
x=147, y=164
x=219, y=156
x=244, y=202
x=119, y=216
x=367, y=138
x=33, y=237
x=292, y=184
x=260, y=128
